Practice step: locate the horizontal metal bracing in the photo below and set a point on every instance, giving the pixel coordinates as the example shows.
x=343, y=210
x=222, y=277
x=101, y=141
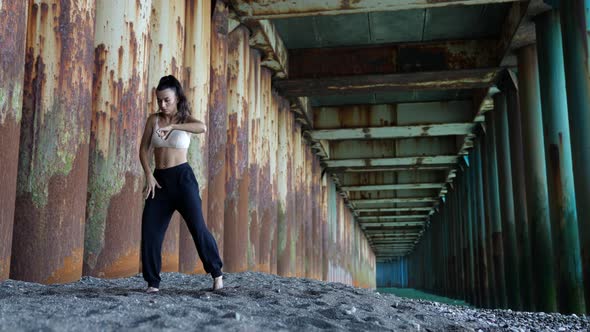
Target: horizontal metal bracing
x=402, y=186
x=399, y=161
x=364, y=169
x=394, y=200
x=440, y=80
x=391, y=58
x=416, y=209
x=393, y=224
x=295, y=8
x=391, y=217
x=447, y=129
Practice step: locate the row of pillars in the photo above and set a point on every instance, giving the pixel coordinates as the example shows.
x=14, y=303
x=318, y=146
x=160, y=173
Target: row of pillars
x=515, y=231
x=77, y=82
x=392, y=273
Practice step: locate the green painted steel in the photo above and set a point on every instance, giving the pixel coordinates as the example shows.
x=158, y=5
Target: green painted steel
x=536, y=180
x=518, y=187
x=480, y=220
x=575, y=31
x=495, y=208
x=487, y=224
x=507, y=202
x=471, y=250
x=562, y=197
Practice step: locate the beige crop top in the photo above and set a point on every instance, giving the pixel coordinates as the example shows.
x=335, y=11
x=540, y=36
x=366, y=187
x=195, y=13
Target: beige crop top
x=178, y=139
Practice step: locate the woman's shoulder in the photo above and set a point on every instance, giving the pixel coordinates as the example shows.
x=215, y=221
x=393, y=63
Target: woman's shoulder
x=153, y=117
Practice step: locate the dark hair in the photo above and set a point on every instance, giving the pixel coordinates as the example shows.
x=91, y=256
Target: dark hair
x=170, y=82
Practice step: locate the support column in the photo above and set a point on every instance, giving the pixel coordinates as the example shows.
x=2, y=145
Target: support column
x=576, y=51
x=518, y=187
x=562, y=197
x=480, y=220
x=507, y=202
x=53, y=160
x=119, y=113
x=217, y=124
x=12, y=71
x=536, y=180
x=495, y=209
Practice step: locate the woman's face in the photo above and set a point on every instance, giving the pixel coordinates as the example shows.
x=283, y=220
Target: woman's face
x=167, y=101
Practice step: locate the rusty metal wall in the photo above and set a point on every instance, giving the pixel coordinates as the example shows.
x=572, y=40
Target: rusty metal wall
x=115, y=179
x=197, y=50
x=166, y=58
x=13, y=16
x=217, y=124
x=264, y=197
x=53, y=156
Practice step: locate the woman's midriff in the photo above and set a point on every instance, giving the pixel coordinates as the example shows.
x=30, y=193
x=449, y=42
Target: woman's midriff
x=169, y=157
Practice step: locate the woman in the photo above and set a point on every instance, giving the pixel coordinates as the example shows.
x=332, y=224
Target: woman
x=173, y=185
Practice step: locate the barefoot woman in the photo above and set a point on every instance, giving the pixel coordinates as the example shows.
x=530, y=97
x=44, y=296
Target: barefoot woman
x=173, y=185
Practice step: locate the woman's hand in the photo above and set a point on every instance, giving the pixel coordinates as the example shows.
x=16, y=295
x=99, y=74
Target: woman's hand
x=164, y=132
x=150, y=186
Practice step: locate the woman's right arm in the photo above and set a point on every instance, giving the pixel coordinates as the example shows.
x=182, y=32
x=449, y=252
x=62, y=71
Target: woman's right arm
x=144, y=147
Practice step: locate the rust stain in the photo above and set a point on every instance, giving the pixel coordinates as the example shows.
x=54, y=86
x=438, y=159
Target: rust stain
x=70, y=270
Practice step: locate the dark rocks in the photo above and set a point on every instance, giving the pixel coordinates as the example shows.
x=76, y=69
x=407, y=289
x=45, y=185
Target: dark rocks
x=250, y=301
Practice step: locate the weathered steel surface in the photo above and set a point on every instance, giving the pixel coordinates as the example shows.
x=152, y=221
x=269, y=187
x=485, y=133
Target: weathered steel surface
x=536, y=180
x=392, y=58
x=283, y=188
x=518, y=187
x=266, y=38
x=505, y=178
x=166, y=56
x=196, y=80
x=115, y=179
x=267, y=175
x=400, y=161
x=576, y=31
x=284, y=8
x=447, y=129
x=480, y=220
x=237, y=180
x=438, y=80
x=254, y=157
x=53, y=160
x=558, y=154
x=274, y=133
x=217, y=124
x=13, y=17
x=495, y=220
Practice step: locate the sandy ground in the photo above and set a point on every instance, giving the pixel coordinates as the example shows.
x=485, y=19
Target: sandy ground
x=249, y=302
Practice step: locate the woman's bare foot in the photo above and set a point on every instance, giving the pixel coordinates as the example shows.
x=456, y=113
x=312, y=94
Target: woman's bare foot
x=218, y=283
x=152, y=290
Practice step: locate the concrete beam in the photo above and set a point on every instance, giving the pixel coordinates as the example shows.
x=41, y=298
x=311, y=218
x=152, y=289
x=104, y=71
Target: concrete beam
x=403, y=186
x=391, y=58
x=264, y=9
x=447, y=129
x=432, y=80
x=364, y=169
x=400, y=161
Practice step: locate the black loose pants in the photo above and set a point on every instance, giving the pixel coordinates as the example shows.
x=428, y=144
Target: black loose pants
x=180, y=191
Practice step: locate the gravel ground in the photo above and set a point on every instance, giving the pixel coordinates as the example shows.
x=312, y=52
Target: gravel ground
x=250, y=301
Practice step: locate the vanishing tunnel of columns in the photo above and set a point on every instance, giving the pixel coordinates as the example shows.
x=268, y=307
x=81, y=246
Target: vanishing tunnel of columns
x=77, y=84
x=512, y=231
